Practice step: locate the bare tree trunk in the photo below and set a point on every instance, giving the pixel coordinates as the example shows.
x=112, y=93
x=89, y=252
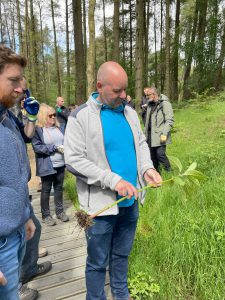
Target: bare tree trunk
x=167, y=49
x=139, y=59
x=13, y=26
x=187, y=71
x=162, y=75
x=116, y=32
x=91, y=55
x=147, y=18
x=123, y=35
x=175, y=56
x=131, y=39
x=105, y=34
x=155, y=44
x=67, y=55
x=79, y=53
x=34, y=53
x=1, y=25
x=20, y=34
x=43, y=56
x=59, y=90
x=218, y=75
x=85, y=34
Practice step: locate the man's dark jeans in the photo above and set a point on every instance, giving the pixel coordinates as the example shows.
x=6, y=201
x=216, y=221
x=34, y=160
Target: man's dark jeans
x=57, y=181
x=158, y=156
x=29, y=264
x=109, y=242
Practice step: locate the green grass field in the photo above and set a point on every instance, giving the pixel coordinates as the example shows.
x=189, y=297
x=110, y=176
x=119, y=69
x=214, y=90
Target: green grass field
x=180, y=241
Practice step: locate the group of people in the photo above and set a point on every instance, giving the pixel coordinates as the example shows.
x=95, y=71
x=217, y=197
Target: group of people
x=102, y=143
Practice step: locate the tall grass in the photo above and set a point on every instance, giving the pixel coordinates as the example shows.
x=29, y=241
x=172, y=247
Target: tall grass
x=180, y=240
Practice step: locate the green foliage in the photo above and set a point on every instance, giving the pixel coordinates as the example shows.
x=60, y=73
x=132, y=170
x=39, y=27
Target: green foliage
x=180, y=238
x=142, y=286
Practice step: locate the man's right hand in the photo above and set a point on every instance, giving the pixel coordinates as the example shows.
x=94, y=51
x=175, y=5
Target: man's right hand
x=124, y=188
x=3, y=280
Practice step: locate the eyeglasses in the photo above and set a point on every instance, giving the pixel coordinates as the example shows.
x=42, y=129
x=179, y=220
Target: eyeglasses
x=51, y=116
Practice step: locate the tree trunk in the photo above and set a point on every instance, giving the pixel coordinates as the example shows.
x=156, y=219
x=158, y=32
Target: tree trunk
x=20, y=34
x=59, y=90
x=67, y=55
x=139, y=59
x=175, y=56
x=155, y=44
x=147, y=19
x=91, y=55
x=105, y=34
x=116, y=32
x=131, y=39
x=186, y=92
x=1, y=25
x=79, y=53
x=43, y=56
x=85, y=34
x=34, y=54
x=167, y=50
x=218, y=75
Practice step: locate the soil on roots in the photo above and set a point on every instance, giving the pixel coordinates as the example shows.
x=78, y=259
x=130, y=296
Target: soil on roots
x=83, y=219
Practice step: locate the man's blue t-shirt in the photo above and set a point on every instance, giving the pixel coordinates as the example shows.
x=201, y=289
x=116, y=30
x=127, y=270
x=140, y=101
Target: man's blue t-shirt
x=119, y=145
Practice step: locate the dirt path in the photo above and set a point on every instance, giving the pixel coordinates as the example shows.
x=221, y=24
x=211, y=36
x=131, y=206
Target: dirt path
x=34, y=182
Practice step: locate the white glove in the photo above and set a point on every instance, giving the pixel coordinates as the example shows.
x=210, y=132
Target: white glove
x=60, y=149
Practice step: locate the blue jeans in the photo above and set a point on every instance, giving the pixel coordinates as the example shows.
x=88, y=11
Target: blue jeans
x=12, y=249
x=29, y=266
x=109, y=242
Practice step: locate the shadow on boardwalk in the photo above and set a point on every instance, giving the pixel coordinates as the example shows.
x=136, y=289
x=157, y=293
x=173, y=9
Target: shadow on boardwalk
x=66, y=245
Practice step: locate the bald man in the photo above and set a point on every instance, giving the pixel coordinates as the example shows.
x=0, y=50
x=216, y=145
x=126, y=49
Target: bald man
x=107, y=152
x=62, y=113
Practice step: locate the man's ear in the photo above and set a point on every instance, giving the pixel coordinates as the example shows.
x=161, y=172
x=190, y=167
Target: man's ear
x=99, y=86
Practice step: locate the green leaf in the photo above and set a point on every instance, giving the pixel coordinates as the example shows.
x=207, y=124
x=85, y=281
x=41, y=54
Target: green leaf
x=175, y=161
x=179, y=181
x=192, y=166
x=196, y=174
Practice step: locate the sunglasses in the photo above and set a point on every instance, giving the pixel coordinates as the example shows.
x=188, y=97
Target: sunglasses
x=52, y=115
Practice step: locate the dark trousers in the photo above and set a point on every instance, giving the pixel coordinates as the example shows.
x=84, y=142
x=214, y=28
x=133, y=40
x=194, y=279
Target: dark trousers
x=29, y=265
x=57, y=181
x=158, y=156
x=109, y=242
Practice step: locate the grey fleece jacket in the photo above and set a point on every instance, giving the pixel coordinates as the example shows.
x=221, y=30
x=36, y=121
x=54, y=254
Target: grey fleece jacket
x=85, y=157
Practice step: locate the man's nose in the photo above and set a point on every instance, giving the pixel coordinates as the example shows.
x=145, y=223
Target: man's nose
x=19, y=89
x=123, y=95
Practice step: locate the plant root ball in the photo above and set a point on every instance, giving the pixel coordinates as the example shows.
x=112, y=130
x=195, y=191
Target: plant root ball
x=83, y=219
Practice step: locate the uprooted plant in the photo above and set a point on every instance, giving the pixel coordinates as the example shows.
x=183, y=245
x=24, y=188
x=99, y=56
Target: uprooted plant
x=190, y=177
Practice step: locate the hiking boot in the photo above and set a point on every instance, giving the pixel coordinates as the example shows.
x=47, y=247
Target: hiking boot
x=63, y=217
x=25, y=293
x=42, y=252
x=49, y=221
x=42, y=269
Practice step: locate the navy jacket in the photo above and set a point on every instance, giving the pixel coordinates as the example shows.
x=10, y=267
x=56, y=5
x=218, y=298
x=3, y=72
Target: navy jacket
x=42, y=151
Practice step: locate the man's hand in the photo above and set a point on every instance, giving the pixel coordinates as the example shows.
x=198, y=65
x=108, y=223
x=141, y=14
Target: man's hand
x=3, y=280
x=163, y=138
x=30, y=229
x=124, y=188
x=151, y=176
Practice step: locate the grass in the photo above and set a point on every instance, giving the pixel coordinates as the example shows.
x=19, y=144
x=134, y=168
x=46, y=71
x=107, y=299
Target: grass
x=180, y=240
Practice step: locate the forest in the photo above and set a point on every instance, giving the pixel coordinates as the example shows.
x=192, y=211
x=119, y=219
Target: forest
x=176, y=45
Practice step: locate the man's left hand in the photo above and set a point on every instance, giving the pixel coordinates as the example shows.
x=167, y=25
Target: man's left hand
x=30, y=229
x=151, y=176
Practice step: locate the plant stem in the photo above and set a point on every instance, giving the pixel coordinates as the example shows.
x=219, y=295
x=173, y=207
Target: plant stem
x=124, y=198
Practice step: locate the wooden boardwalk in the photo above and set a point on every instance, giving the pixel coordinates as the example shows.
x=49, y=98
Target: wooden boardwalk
x=66, y=246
